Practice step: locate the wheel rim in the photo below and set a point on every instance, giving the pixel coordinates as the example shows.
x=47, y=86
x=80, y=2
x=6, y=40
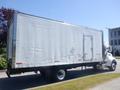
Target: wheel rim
x=113, y=66
x=61, y=74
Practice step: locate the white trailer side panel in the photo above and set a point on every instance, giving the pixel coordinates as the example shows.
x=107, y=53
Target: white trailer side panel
x=44, y=42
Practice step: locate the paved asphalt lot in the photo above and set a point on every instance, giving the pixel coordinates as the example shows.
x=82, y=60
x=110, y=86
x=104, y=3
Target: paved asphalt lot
x=30, y=80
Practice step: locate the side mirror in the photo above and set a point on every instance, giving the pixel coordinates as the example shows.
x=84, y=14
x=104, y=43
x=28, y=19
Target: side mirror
x=109, y=49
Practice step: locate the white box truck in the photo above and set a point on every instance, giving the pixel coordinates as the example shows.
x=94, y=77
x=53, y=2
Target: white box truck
x=51, y=47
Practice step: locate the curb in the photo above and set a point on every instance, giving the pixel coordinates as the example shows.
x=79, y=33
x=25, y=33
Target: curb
x=3, y=70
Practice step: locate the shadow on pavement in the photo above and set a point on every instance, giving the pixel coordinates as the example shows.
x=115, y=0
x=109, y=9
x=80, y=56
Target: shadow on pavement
x=30, y=81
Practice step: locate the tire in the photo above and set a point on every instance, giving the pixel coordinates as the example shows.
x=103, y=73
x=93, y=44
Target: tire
x=97, y=67
x=113, y=66
x=59, y=75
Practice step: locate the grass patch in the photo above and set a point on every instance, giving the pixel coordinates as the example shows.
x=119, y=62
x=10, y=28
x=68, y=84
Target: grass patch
x=81, y=83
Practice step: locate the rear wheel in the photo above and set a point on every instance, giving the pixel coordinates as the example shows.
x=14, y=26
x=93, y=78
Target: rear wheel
x=60, y=74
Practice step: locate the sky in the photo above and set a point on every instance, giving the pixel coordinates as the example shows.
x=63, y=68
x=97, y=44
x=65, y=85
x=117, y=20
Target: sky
x=97, y=14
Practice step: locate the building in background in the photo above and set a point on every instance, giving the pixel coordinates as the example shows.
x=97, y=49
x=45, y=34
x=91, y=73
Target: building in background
x=114, y=40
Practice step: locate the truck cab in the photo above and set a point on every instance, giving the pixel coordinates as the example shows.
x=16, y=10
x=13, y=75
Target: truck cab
x=110, y=60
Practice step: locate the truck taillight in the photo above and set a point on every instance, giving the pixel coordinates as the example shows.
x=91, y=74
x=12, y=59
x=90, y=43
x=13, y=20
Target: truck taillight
x=19, y=63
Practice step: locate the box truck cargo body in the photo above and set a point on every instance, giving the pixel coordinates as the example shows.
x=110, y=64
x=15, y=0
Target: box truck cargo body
x=36, y=43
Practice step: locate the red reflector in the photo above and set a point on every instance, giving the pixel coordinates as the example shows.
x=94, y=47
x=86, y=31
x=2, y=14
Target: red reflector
x=19, y=63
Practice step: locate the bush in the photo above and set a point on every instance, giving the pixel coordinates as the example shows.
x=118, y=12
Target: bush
x=2, y=50
x=3, y=63
x=3, y=58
